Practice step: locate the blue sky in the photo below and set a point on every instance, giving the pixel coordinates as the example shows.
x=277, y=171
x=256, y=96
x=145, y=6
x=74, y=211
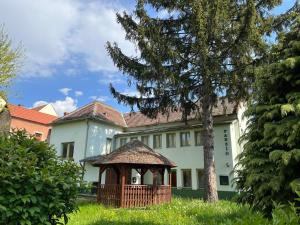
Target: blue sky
x=65, y=61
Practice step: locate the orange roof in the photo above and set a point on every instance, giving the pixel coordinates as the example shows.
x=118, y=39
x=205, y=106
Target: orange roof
x=30, y=114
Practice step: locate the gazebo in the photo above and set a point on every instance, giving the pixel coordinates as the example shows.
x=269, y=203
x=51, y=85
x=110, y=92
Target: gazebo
x=123, y=190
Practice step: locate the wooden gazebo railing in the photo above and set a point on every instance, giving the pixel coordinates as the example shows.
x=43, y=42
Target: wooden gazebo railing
x=133, y=195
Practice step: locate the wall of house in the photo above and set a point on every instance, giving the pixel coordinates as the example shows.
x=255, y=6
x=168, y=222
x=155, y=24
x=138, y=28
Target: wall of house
x=48, y=109
x=30, y=127
x=94, y=144
x=97, y=135
x=70, y=132
x=191, y=157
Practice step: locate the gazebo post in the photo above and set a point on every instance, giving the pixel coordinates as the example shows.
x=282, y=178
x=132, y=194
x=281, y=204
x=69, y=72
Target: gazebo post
x=101, y=170
x=122, y=187
x=170, y=183
x=163, y=176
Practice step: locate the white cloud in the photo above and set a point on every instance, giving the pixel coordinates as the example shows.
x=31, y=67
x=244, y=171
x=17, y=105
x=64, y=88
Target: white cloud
x=66, y=105
x=39, y=103
x=65, y=90
x=54, y=32
x=100, y=98
x=133, y=93
x=78, y=93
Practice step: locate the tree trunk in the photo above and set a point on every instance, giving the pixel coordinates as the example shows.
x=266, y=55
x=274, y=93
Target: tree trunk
x=210, y=181
x=5, y=119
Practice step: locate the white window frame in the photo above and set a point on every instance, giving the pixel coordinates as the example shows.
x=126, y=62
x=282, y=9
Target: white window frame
x=155, y=146
x=174, y=140
x=108, y=148
x=68, y=149
x=147, y=138
x=188, y=142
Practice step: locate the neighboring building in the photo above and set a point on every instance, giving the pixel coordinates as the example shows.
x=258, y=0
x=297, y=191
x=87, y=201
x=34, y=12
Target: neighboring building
x=96, y=128
x=46, y=108
x=34, y=122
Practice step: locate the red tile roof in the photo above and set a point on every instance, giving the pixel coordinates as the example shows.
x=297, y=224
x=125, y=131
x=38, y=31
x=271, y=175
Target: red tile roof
x=137, y=119
x=30, y=114
x=38, y=108
x=95, y=110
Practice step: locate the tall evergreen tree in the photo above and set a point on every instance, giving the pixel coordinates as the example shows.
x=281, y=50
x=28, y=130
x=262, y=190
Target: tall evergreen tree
x=270, y=161
x=199, y=49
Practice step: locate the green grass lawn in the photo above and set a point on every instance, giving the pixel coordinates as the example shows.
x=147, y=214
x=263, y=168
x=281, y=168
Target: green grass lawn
x=179, y=212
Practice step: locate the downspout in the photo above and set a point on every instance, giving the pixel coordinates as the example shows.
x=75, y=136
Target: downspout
x=86, y=142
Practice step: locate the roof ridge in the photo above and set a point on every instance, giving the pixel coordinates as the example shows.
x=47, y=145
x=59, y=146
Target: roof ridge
x=108, y=106
x=76, y=110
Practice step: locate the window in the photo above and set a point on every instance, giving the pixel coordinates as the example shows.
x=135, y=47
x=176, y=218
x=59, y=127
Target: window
x=133, y=138
x=108, y=145
x=145, y=140
x=171, y=140
x=123, y=141
x=173, y=178
x=68, y=150
x=198, y=138
x=187, y=178
x=38, y=136
x=185, y=138
x=157, y=141
x=200, y=176
x=224, y=180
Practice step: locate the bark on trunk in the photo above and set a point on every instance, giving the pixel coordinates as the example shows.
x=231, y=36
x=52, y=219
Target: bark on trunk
x=210, y=191
x=5, y=119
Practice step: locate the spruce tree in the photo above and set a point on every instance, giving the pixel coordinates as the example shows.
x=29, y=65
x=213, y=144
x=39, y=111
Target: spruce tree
x=201, y=48
x=270, y=161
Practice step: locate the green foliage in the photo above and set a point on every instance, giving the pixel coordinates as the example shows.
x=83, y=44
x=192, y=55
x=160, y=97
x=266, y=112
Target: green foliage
x=36, y=187
x=184, y=212
x=270, y=161
x=9, y=60
x=179, y=212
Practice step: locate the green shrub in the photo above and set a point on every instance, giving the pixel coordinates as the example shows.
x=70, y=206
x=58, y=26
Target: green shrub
x=36, y=187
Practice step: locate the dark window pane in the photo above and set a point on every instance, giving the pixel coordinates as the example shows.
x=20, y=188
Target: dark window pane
x=65, y=150
x=200, y=174
x=71, y=150
x=224, y=180
x=198, y=138
x=187, y=178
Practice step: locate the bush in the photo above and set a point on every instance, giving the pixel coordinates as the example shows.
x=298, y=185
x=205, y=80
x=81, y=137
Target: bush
x=36, y=187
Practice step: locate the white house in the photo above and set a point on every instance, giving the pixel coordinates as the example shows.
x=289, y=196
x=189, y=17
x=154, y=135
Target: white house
x=97, y=129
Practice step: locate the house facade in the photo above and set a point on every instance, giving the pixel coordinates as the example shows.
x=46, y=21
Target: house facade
x=96, y=129
x=35, y=122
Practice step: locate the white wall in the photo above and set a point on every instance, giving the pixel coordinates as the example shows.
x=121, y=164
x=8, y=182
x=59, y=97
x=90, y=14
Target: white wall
x=97, y=134
x=191, y=157
x=70, y=132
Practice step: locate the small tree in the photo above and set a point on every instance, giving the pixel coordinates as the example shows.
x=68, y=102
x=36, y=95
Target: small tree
x=201, y=48
x=270, y=161
x=9, y=60
x=36, y=187
x=9, y=64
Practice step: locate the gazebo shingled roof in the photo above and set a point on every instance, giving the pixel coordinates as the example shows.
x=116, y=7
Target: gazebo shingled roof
x=134, y=152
